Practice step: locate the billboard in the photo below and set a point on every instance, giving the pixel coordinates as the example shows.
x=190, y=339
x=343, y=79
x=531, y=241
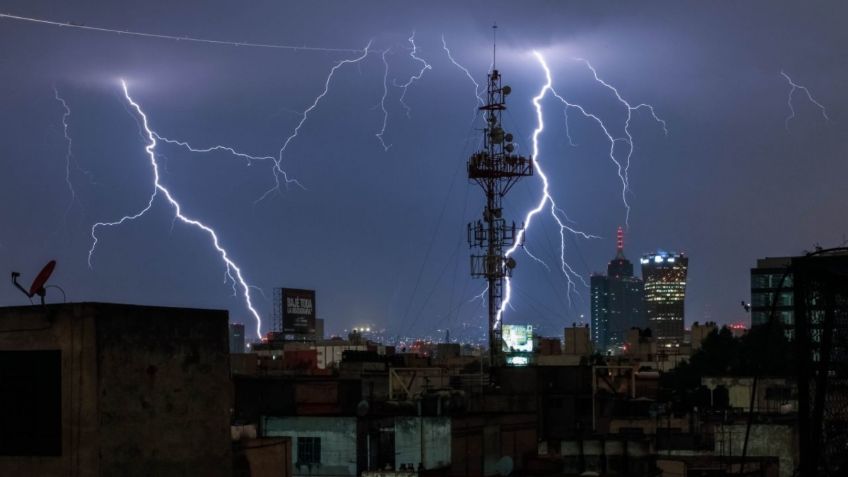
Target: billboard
x=298, y=311
x=517, y=338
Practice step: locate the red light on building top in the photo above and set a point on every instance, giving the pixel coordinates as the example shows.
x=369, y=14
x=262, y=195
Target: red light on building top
x=620, y=239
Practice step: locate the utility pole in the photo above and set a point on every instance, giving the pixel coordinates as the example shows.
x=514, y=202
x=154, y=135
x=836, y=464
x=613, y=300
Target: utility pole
x=495, y=168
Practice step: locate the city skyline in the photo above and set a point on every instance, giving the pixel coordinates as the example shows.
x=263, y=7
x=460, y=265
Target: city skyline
x=378, y=229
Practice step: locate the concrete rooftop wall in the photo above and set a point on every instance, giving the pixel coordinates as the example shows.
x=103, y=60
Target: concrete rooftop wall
x=423, y=437
x=144, y=390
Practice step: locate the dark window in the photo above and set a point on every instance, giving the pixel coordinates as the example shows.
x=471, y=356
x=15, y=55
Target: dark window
x=31, y=403
x=308, y=450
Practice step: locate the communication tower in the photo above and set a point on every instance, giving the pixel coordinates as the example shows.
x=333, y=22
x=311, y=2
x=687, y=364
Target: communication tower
x=495, y=168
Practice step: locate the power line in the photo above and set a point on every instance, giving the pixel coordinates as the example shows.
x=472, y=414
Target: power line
x=160, y=36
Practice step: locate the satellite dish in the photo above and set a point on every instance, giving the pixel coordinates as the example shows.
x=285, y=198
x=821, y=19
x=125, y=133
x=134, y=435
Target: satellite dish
x=497, y=134
x=37, y=287
x=504, y=466
x=506, y=90
x=510, y=263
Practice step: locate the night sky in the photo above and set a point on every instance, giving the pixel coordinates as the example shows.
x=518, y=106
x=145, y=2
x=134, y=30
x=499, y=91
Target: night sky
x=380, y=234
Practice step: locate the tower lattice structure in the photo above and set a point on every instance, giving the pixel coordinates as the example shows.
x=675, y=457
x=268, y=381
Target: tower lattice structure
x=495, y=168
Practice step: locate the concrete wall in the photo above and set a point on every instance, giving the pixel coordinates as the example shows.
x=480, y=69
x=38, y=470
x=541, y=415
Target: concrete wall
x=778, y=440
x=429, y=437
x=271, y=457
x=338, y=441
x=479, y=442
x=164, y=391
x=144, y=390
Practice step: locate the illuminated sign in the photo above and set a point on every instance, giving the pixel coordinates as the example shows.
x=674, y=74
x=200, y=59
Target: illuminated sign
x=517, y=338
x=517, y=360
x=298, y=311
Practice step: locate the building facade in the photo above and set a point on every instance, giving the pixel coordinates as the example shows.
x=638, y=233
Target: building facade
x=664, y=274
x=236, y=338
x=599, y=311
x=91, y=389
x=617, y=301
x=771, y=279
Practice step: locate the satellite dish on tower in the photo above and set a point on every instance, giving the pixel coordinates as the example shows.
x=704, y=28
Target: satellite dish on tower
x=37, y=287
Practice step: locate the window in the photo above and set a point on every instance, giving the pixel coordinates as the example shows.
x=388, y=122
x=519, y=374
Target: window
x=308, y=450
x=31, y=403
x=765, y=299
x=770, y=280
x=759, y=317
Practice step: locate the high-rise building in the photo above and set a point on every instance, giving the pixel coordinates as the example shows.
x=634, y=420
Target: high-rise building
x=236, y=338
x=664, y=274
x=599, y=310
x=616, y=301
x=577, y=341
x=808, y=297
x=765, y=283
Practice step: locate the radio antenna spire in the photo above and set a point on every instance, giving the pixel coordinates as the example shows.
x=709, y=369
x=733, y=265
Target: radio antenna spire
x=494, y=43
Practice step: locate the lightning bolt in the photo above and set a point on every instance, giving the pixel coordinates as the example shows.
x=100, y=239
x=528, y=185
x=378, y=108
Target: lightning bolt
x=480, y=296
x=568, y=130
x=305, y=115
x=467, y=73
x=383, y=102
x=279, y=174
x=547, y=201
x=249, y=158
x=69, y=150
x=537, y=259
x=233, y=272
x=424, y=67
x=69, y=155
x=796, y=86
x=622, y=170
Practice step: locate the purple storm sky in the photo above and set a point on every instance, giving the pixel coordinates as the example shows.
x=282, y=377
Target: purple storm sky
x=380, y=234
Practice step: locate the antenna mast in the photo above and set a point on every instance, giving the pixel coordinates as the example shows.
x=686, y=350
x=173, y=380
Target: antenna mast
x=495, y=168
x=494, y=45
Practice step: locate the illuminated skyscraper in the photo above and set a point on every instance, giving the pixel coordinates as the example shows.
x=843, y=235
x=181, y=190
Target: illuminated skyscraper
x=617, y=301
x=599, y=311
x=664, y=274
